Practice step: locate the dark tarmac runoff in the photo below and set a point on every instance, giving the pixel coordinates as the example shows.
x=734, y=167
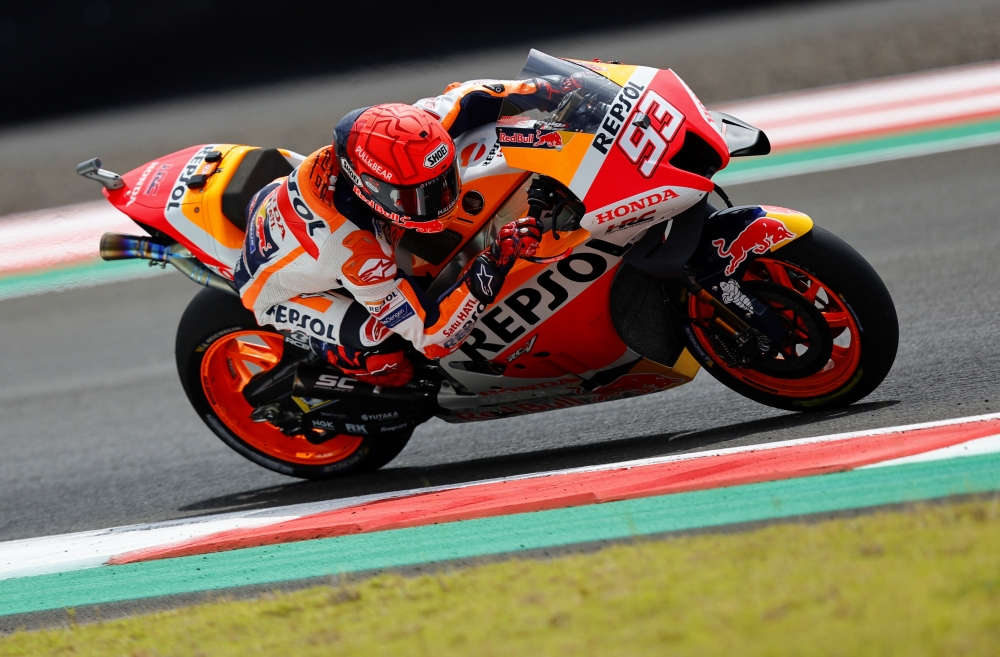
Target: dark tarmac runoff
x=96, y=432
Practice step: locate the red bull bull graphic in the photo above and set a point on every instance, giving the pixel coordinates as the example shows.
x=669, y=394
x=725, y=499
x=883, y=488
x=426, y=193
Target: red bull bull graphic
x=549, y=140
x=759, y=237
x=630, y=385
x=263, y=244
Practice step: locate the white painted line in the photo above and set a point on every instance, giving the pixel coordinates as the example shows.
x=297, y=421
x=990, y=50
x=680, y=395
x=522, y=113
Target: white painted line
x=33, y=240
x=835, y=162
x=977, y=447
x=940, y=95
x=761, y=446
x=41, y=556
x=943, y=111
x=66, y=552
x=89, y=549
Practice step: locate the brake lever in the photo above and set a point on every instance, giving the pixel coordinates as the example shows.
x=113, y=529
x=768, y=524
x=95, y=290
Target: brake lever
x=549, y=260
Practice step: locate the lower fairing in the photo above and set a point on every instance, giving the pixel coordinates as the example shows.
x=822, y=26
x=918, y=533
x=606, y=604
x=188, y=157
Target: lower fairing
x=640, y=377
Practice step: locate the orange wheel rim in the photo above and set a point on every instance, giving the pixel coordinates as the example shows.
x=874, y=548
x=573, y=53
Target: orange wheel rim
x=846, y=354
x=229, y=364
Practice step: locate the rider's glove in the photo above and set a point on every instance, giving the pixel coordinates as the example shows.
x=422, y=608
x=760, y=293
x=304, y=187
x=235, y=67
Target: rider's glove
x=554, y=87
x=515, y=239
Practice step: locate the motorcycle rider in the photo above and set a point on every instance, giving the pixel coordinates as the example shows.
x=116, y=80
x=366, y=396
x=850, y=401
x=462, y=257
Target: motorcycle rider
x=319, y=260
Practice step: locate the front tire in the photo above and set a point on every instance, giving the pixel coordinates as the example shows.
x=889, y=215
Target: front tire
x=860, y=331
x=219, y=348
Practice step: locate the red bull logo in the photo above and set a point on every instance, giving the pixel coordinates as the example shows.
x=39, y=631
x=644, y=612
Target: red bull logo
x=758, y=238
x=263, y=244
x=515, y=138
x=549, y=140
x=630, y=385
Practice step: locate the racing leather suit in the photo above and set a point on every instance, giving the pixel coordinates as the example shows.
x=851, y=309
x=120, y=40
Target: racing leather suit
x=318, y=264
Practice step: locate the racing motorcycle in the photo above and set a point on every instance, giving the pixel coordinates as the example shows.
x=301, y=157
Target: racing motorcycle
x=637, y=284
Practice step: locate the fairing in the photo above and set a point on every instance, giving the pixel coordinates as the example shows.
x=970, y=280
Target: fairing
x=616, y=142
x=160, y=196
x=742, y=138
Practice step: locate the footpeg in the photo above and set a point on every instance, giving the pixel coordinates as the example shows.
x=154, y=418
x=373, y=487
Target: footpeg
x=268, y=413
x=289, y=423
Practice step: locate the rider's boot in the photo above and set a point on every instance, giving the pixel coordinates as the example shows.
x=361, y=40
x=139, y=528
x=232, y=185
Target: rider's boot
x=390, y=370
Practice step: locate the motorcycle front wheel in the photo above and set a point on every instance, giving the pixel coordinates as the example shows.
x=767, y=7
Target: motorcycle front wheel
x=843, y=328
x=219, y=349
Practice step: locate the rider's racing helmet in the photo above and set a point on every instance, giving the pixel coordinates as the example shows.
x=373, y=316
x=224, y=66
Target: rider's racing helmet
x=402, y=163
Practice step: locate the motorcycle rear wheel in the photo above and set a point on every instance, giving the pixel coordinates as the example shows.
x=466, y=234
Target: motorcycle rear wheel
x=853, y=302
x=219, y=348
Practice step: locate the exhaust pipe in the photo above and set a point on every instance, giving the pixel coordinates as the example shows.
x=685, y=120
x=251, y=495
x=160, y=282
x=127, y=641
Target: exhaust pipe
x=115, y=246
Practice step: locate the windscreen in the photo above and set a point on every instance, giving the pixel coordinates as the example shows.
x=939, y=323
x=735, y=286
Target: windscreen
x=568, y=96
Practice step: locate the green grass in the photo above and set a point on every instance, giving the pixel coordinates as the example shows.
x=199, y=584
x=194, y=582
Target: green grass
x=921, y=582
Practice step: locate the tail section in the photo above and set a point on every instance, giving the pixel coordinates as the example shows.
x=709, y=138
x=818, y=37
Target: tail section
x=184, y=196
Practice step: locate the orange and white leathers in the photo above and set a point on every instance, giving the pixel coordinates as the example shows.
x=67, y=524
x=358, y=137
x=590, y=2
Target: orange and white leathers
x=307, y=236
x=301, y=248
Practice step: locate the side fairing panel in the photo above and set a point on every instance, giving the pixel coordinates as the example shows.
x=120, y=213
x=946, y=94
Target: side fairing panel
x=640, y=135
x=566, y=303
x=624, y=173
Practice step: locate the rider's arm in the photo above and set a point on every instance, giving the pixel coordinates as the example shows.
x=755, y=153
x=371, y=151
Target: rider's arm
x=435, y=327
x=467, y=105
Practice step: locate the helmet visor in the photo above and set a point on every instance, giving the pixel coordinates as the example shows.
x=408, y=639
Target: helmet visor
x=428, y=200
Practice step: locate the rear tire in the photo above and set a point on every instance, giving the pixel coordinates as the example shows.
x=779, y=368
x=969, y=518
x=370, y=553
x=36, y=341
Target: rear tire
x=860, y=315
x=218, y=345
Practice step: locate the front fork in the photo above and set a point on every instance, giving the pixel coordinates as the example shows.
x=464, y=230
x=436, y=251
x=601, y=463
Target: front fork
x=758, y=332
x=731, y=240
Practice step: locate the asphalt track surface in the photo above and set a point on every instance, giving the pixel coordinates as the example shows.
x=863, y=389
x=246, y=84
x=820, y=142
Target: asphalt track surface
x=96, y=430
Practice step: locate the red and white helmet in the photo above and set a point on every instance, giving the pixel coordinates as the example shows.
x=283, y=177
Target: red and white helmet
x=402, y=163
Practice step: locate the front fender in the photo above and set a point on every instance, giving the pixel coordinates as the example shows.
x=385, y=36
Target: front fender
x=734, y=237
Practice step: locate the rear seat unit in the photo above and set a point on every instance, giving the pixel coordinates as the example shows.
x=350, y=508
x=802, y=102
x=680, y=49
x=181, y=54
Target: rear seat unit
x=258, y=168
